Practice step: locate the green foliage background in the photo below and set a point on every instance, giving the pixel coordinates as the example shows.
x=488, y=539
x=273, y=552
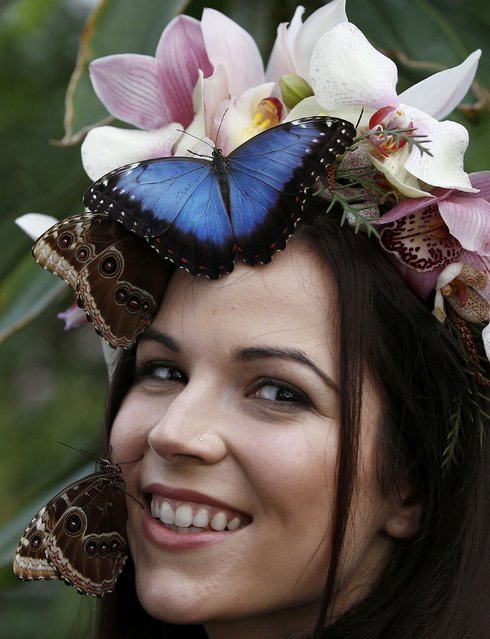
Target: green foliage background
x=52, y=383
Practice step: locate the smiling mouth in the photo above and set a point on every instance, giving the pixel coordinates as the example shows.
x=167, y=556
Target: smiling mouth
x=191, y=517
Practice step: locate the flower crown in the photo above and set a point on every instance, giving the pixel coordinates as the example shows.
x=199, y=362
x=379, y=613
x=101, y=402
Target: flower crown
x=401, y=179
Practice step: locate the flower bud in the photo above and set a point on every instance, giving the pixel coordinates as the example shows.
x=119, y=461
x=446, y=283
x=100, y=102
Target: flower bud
x=294, y=89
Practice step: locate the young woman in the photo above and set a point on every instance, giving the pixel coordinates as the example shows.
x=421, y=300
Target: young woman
x=290, y=422
x=305, y=440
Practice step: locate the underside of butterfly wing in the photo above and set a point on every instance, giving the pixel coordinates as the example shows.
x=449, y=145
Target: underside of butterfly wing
x=79, y=536
x=121, y=287
x=30, y=560
x=118, y=279
x=88, y=544
x=62, y=250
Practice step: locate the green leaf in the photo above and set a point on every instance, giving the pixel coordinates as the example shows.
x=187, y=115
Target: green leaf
x=24, y=294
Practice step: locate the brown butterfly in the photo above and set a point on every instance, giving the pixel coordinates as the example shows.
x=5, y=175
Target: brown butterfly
x=80, y=535
x=118, y=279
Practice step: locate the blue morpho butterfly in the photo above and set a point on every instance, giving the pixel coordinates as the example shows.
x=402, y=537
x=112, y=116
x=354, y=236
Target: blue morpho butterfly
x=203, y=213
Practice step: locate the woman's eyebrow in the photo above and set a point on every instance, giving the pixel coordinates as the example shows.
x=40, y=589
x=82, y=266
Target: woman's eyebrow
x=249, y=354
x=162, y=338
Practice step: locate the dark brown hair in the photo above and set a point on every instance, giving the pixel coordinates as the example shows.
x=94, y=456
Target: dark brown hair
x=426, y=589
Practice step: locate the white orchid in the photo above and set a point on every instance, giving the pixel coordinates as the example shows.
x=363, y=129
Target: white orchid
x=350, y=77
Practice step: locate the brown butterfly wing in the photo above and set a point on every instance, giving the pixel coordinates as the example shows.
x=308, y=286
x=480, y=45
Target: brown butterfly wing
x=119, y=280
x=87, y=545
x=30, y=560
x=79, y=536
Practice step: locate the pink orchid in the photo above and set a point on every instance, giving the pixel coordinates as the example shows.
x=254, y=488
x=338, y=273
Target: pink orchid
x=426, y=235
x=201, y=71
x=345, y=53
x=152, y=92
x=158, y=94
x=73, y=317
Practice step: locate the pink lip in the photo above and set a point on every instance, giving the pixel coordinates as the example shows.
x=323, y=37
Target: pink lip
x=182, y=494
x=165, y=537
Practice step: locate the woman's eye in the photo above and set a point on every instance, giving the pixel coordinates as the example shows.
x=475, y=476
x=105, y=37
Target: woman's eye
x=274, y=391
x=159, y=371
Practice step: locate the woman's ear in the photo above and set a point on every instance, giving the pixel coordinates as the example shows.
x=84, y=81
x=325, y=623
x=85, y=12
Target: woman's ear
x=406, y=516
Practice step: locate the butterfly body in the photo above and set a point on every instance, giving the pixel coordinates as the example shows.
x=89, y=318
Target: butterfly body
x=204, y=213
x=79, y=536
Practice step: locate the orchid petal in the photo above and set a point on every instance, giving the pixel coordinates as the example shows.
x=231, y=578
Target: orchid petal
x=230, y=46
x=448, y=143
x=128, y=87
x=393, y=168
x=468, y=221
x=194, y=139
x=480, y=181
x=106, y=148
x=304, y=40
x=237, y=126
x=215, y=95
x=73, y=317
x=310, y=107
x=445, y=277
x=281, y=61
x=210, y=96
x=346, y=69
x=180, y=55
x=410, y=205
x=35, y=224
x=486, y=340
x=482, y=263
x=441, y=93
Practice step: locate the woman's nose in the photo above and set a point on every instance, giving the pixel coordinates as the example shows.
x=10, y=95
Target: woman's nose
x=190, y=429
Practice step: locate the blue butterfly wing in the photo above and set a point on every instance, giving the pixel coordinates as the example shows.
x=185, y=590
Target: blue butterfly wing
x=271, y=175
x=176, y=205
x=201, y=214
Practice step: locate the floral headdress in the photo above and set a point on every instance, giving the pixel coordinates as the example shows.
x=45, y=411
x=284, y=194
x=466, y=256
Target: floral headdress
x=402, y=181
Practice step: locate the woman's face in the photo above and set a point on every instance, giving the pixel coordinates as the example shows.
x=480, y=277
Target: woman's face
x=235, y=412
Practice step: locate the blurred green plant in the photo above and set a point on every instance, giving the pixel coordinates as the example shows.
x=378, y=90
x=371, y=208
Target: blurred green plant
x=52, y=383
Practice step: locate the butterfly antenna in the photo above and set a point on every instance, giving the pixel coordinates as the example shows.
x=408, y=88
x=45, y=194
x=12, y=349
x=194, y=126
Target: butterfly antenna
x=201, y=155
x=80, y=450
x=220, y=125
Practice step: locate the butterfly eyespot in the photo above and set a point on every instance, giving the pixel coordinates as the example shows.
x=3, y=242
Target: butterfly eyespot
x=65, y=240
x=104, y=548
x=134, y=303
x=121, y=296
x=35, y=541
x=109, y=265
x=73, y=524
x=91, y=547
x=115, y=546
x=82, y=253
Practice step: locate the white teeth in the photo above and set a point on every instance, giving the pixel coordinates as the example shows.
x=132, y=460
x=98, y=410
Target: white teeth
x=167, y=513
x=183, y=516
x=218, y=522
x=234, y=523
x=201, y=518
